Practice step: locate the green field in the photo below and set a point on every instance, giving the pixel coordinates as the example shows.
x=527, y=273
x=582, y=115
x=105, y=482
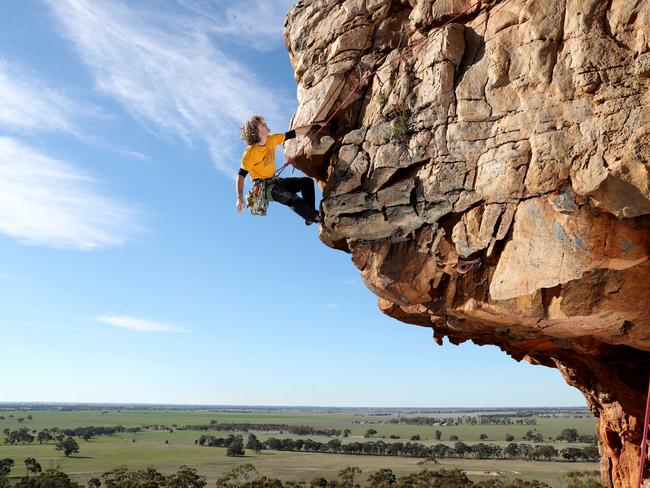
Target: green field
x=142, y=449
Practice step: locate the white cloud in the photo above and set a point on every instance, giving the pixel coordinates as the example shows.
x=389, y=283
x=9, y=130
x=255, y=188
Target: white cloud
x=45, y=201
x=28, y=104
x=166, y=71
x=241, y=21
x=133, y=154
x=332, y=305
x=139, y=325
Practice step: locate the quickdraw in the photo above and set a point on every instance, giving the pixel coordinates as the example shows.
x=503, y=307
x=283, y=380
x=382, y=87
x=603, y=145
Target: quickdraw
x=260, y=195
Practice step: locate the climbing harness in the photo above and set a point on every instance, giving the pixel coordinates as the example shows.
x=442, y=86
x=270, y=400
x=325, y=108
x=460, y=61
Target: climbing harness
x=260, y=195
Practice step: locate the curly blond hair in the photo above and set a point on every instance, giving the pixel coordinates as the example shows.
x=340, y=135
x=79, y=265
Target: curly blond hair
x=249, y=131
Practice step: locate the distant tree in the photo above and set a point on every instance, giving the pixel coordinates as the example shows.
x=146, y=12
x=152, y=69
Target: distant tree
x=334, y=445
x=569, y=435
x=590, y=453
x=254, y=443
x=546, y=452
x=587, y=439
x=571, y=453
x=237, y=476
x=394, y=436
x=440, y=451
x=453, y=437
x=533, y=436
x=50, y=478
x=583, y=479
x=29, y=417
x=318, y=482
x=481, y=451
x=483, y=437
x=346, y=477
x=512, y=450
x=416, y=437
x=370, y=432
x=5, y=466
x=438, y=435
x=121, y=477
x=94, y=483
x=518, y=483
x=510, y=437
x=32, y=465
x=236, y=447
x=68, y=446
x=454, y=478
x=460, y=449
x=382, y=479
x=20, y=420
x=347, y=432
x=526, y=451
x=186, y=477
x=44, y=436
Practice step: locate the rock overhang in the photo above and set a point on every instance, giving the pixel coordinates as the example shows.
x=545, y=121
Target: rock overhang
x=491, y=183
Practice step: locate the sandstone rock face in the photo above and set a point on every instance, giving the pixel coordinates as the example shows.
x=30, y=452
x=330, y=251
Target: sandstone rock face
x=490, y=179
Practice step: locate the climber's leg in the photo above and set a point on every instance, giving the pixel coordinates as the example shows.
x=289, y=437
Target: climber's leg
x=285, y=192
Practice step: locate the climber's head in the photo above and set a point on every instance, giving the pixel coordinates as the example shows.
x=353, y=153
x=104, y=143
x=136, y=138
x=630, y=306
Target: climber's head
x=254, y=129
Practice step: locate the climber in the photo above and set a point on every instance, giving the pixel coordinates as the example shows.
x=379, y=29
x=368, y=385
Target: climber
x=259, y=160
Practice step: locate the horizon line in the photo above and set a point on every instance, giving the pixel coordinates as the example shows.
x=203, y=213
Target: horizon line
x=5, y=404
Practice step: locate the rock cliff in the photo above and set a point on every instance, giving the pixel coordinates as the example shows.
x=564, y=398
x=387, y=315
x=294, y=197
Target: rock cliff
x=487, y=168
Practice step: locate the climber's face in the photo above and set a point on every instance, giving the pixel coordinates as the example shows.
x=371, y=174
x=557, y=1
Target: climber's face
x=262, y=128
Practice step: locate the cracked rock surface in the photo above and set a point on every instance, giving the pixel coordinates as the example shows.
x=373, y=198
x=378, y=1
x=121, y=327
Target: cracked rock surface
x=491, y=178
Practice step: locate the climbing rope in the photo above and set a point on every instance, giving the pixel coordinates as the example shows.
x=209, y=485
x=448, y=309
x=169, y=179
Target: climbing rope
x=370, y=74
x=642, y=452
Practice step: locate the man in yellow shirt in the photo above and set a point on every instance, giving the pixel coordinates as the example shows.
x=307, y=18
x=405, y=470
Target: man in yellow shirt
x=259, y=160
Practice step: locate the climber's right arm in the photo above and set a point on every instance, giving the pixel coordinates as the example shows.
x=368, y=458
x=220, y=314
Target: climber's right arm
x=239, y=185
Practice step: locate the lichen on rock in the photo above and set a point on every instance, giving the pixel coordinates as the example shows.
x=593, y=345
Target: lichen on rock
x=490, y=179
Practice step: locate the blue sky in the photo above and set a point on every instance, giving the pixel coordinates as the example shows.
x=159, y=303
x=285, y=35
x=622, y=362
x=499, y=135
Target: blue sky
x=126, y=273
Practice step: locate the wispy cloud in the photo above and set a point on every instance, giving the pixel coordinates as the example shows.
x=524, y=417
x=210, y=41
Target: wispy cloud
x=167, y=73
x=332, y=305
x=45, y=201
x=139, y=325
x=28, y=104
x=240, y=21
x=133, y=154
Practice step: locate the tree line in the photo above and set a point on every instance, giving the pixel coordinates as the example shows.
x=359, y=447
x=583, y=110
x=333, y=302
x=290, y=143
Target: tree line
x=245, y=427
x=246, y=476
x=410, y=449
x=480, y=420
x=27, y=436
x=121, y=477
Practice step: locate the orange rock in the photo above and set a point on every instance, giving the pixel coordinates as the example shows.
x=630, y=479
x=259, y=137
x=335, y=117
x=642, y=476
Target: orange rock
x=491, y=179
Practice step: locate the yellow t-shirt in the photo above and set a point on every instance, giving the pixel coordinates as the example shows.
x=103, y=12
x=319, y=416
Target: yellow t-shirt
x=259, y=161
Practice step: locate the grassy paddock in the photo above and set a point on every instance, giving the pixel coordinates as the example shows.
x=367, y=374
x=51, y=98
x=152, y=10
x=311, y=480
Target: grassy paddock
x=104, y=453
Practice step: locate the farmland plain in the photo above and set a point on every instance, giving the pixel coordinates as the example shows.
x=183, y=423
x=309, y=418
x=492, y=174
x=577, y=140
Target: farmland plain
x=168, y=449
